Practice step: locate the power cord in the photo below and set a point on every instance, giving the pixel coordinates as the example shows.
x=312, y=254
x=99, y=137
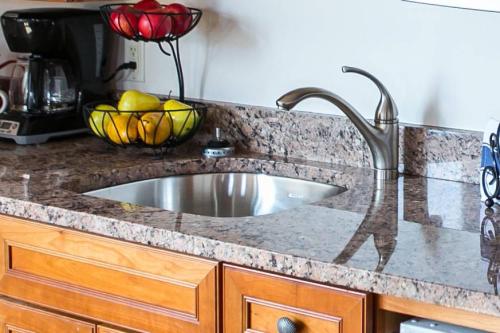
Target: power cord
x=127, y=65
x=5, y=64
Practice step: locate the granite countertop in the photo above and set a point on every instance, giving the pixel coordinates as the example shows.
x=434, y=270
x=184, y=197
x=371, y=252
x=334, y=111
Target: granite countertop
x=425, y=239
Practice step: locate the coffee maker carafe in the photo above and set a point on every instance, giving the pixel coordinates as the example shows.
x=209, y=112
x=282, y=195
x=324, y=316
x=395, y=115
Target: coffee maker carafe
x=42, y=85
x=66, y=57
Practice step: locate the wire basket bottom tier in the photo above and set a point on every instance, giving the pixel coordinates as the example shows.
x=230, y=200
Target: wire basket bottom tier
x=144, y=128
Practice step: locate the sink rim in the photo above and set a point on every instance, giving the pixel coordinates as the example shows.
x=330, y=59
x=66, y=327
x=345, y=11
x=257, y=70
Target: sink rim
x=334, y=189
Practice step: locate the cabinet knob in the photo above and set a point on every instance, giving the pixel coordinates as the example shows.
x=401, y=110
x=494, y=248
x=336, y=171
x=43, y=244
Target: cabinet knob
x=286, y=325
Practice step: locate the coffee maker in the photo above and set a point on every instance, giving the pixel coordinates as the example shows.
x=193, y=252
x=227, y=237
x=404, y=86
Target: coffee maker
x=64, y=67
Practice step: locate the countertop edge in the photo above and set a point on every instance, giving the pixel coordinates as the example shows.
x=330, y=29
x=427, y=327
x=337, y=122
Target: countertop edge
x=303, y=268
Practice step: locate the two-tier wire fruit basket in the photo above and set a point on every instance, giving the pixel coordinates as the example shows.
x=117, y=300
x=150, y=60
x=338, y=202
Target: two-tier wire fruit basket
x=161, y=124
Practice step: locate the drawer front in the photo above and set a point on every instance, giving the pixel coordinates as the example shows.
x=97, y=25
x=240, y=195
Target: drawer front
x=255, y=301
x=19, y=318
x=107, y=280
x=263, y=317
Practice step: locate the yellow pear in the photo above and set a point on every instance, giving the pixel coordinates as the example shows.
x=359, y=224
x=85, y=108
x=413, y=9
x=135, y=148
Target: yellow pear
x=99, y=119
x=133, y=100
x=122, y=128
x=184, y=117
x=154, y=128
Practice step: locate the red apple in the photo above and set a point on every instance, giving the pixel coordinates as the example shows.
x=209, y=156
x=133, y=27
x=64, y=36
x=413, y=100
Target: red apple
x=155, y=24
x=144, y=5
x=181, y=18
x=124, y=21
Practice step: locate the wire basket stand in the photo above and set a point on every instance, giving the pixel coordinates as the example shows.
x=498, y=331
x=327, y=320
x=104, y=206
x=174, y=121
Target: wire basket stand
x=175, y=54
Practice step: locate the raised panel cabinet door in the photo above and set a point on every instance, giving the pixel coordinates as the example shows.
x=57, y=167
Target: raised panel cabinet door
x=256, y=301
x=107, y=280
x=21, y=318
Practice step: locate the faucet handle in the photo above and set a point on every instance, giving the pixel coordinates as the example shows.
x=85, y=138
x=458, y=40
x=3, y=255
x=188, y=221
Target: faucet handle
x=387, y=111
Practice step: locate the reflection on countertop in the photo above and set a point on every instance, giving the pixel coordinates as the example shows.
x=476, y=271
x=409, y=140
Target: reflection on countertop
x=414, y=199
x=429, y=242
x=381, y=222
x=490, y=246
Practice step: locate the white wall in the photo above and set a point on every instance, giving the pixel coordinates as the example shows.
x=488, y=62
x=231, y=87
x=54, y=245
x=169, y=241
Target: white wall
x=442, y=65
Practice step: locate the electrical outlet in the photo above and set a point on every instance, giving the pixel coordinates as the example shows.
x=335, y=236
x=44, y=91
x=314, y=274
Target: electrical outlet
x=134, y=51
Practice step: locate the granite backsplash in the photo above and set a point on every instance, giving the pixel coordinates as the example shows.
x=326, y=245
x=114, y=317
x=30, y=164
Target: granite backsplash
x=424, y=151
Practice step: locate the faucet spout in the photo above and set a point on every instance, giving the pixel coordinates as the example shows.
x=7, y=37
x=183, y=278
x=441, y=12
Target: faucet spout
x=382, y=137
x=294, y=97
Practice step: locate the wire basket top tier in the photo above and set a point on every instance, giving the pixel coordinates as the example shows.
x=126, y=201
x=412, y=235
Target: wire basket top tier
x=156, y=25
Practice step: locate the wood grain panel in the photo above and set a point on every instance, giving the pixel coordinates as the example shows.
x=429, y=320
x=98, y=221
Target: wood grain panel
x=104, y=329
x=111, y=281
x=20, y=318
x=437, y=312
x=351, y=308
x=11, y=329
x=138, y=287
x=263, y=317
x=388, y=322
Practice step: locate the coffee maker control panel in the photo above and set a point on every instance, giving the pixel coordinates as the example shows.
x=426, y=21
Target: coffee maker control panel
x=9, y=127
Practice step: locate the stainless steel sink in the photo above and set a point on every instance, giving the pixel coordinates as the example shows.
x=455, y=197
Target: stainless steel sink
x=221, y=194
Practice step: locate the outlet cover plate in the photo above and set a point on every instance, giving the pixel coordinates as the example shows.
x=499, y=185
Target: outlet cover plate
x=134, y=51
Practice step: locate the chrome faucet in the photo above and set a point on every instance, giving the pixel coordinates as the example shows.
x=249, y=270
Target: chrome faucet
x=382, y=137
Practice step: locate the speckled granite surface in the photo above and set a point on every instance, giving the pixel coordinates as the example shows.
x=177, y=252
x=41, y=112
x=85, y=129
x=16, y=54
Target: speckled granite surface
x=417, y=238
x=432, y=152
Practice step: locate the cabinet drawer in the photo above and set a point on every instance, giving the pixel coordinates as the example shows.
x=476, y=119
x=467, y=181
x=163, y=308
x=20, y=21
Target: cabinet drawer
x=108, y=280
x=255, y=301
x=19, y=318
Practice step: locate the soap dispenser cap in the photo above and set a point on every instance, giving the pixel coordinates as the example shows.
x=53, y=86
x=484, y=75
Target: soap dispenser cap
x=218, y=146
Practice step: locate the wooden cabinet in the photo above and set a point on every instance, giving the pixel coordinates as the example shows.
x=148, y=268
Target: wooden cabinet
x=254, y=302
x=109, y=281
x=20, y=318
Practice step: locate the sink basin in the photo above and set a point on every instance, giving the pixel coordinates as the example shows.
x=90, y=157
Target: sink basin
x=221, y=194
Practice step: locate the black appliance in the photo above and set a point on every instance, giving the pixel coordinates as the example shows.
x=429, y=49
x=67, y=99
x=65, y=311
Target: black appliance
x=68, y=56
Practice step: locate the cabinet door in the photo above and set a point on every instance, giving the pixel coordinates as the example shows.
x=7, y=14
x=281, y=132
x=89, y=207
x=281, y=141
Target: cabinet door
x=255, y=302
x=110, y=281
x=20, y=318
